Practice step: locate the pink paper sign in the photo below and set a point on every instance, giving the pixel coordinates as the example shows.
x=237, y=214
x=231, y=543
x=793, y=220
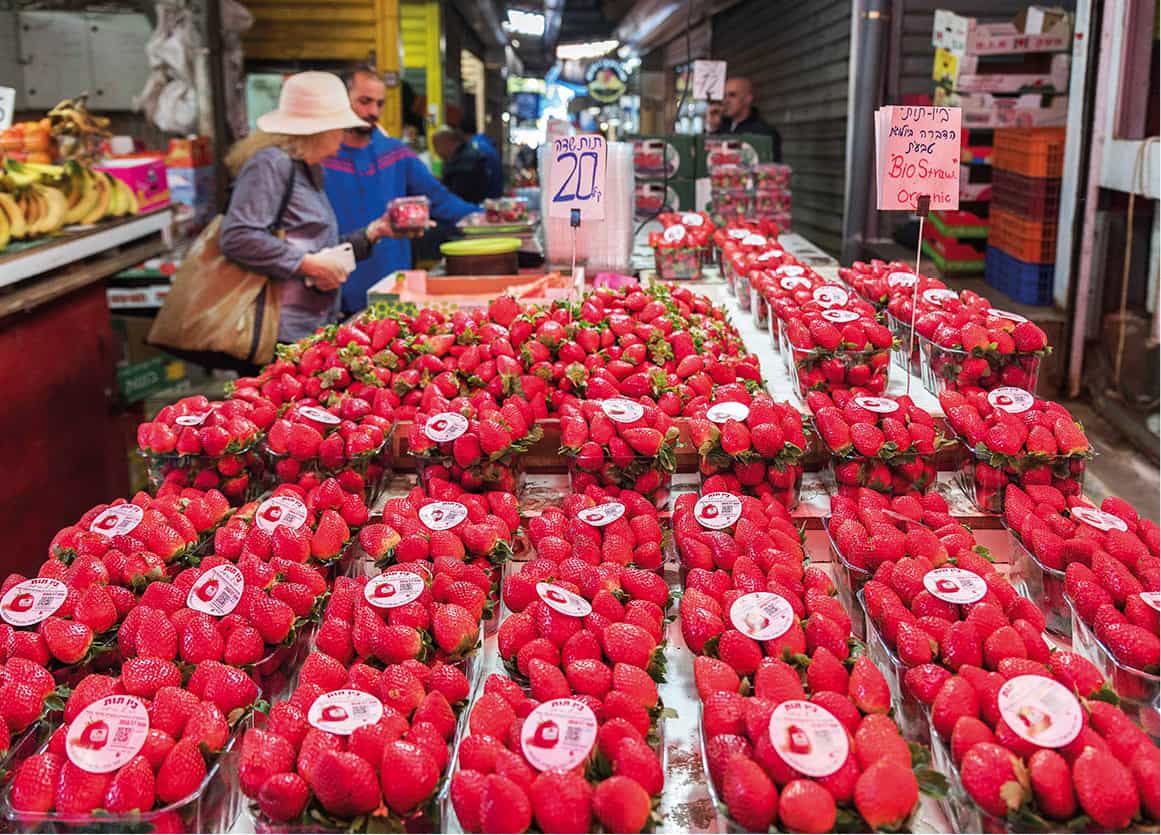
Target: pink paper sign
x=918, y=153
x=576, y=177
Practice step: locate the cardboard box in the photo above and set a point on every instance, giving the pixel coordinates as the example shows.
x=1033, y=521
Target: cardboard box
x=653, y=197
x=194, y=152
x=1039, y=29
x=744, y=149
x=965, y=74
x=142, y=370
x=191, y=191
x=984, y=110
x=145, y=175
x=652, y=154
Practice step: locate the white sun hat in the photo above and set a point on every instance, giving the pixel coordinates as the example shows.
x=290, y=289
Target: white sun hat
x=311, y=102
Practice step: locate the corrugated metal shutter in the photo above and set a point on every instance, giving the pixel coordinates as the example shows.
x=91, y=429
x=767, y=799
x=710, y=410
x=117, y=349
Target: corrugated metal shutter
x=286, y=30
x=797, y=54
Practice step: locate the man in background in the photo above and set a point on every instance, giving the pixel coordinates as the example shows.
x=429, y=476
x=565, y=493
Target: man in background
x=740, y=116
x=370, y=170
x=465, y=171
x=492, y=163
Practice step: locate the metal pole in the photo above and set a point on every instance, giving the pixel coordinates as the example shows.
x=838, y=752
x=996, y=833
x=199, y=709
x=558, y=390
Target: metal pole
x=221, y=131
x=870, y=38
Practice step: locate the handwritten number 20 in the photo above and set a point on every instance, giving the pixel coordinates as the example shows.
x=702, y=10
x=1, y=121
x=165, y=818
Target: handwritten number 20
x=578, y=172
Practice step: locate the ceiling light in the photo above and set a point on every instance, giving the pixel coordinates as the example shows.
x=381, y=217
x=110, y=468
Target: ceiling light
x=525, y=23
x=583, y=51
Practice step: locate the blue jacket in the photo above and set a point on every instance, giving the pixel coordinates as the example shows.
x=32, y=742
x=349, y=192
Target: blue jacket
x=495, y=167
x=360, y=182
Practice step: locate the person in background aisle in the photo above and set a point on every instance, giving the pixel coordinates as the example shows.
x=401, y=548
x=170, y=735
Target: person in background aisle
x=465, y=171
x=740, y=115
x=371, y=169
x=279, y=165
x=713, y=117
x=492, y=163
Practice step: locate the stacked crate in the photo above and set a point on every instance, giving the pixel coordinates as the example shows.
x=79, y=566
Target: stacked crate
x=1026, y=170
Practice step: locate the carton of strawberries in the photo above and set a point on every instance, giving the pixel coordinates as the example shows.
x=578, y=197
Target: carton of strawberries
x=835, y=348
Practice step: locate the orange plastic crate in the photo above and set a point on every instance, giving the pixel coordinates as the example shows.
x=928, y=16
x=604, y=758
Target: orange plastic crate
x=1033, y=241
x=1033, y=152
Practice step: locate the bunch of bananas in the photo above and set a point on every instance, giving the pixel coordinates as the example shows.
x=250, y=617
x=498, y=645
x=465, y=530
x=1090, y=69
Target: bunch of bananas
x=37, y=199
x=78, y=132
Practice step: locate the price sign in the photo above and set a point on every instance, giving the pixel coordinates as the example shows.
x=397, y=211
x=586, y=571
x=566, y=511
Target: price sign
x=576, y=176
x=709, y=80
x=917, y=152
x=7, y=106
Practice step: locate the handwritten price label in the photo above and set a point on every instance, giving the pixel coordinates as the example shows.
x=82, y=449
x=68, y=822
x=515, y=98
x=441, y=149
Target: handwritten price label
x=918, y=153
x=576, y=176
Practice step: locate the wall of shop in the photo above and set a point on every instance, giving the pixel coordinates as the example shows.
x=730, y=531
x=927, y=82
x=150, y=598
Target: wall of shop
x=798, y=56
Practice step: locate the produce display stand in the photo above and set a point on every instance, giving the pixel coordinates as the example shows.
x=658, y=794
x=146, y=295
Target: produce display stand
x=59, y=376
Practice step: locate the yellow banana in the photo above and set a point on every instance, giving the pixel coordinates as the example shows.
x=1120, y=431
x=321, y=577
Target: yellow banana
x=104, y=193
x=132, y=207
x=32, y=211
x=13, y=214
x=87, y=200
x=5, y=231
x=57, y=206
x=116, y=203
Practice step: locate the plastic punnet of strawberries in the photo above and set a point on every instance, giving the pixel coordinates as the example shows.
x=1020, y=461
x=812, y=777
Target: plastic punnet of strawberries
x=573, y=759
x=137, y=749
x=1013, y=437
x=753, y=447
x=602, y=525
x=877, y=281
x=1112, y=581
x=310, y=443
x=837, y=349
x=409, y=214
x=475, y=444
x=620, y=443
x=202, y=444
x=506, y=210
x=884, y=443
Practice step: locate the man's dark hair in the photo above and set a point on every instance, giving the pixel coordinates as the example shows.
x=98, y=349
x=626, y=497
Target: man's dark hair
x=361, y=71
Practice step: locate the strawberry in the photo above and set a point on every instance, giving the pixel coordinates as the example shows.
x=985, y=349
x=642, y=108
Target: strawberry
x=32, y=788
x=181, y=773
x=561, y=802
x=619, y=803
x=1105, y=789
x=283, y=797
x=749, y=795
x=1052, y=784
x=345, y=784
x=456, y=631
x=805, y=806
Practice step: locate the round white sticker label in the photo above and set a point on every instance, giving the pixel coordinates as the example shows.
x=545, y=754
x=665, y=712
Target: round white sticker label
x=563, y=600
x=1011, y=399
x=558, y=735
x=754, y=240
x=446, y=426
x=1099, y=519
x=882, y=405
x=691, y=219
x=673, y=234
x=31, y=601
x=397, y=588
x=192, y=420
x=791, y=269
x=439, y=516
x=1152, y=598
x=107, y=734
x=955, y=585
x=281, y=511
x=770, y=254
x=343, y=712
x=809, y=738
x=1004, y=314
x=118, y=520
x=738, y=234
x=1041, y=710
x=762, y=615
x=831, y=295
x=318, y=415
x=717, y=510
x=622, y=410
x=937, y=297
x=218, y=591
x=790, y=283
x=730, y=410
x=900, y=279
x=839, y=317
x=602, y=514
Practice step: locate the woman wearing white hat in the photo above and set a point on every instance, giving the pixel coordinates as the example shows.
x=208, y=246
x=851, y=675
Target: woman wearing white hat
x=279, y=222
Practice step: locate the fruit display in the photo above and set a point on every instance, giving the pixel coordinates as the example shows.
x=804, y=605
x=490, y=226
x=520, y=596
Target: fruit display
x=28, y=142
x=837, y=349
x=885, y=443
x=601, y=525
x=207, y=445
x=753, y=446
x=78, y=133
x=676, y=262
x=880, y=282
x=506, y=210
x=409, y=215
x=1012, y=437
x=620, y=443
x=473, y=442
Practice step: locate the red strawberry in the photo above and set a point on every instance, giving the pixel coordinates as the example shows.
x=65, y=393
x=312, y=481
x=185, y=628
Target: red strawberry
x=620, y=804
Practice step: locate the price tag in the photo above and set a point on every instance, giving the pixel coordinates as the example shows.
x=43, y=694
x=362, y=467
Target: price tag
x=576, y=176
x=1153, y=599
x=839, y=317
x=107, y=734
x=709, y=80
x=754, y=240
x=717, y=510
x=1041, y=710
x=446, y=426
x=831, y=295
x=398, y=588
x=278, y=511
x=900, y=279
x=31, y=601
x=558, y=735
x=440, y=516
x=623, y=410
x=1099, y=519
x=563, y=600
x=1004, y=314
x=721, y=412
x=880, y=405
x=343, y=712
x=117, y=520
x=690, y=219
x=218, y=591
x=809, y=738
x=673, y=234
x=955, y=585
x=1011, y=399
x=937, y=297
x=602, y=514
x=319, y=415
x=192, y=420
x=762, y=615
x=917, y=153
x=791, y=269
x=8, y=106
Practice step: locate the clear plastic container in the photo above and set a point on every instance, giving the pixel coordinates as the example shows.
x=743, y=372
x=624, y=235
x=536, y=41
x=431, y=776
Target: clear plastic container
x=409, y=215
x=782, y=482
x=677, y=263
x=646, y=476
x=742, y=286
x=729, y=177
x=984, y=483
x=736, y=202
x=506, y=210
x=212, y=808
x=943, y=369
x=1042, y=585
x=507, y=476
x=373, y=468
x=830, y=371
x=909, y=712
x=848, y=583
x=771, y=175
x=759, y=307
x=275, y=674
x=768, y=202
x=241, y=477
x=902, y=332
x=897, y=476
x=961, y=810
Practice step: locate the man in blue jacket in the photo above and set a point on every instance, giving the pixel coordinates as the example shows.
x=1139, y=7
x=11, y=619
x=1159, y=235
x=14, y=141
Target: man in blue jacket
x=369, y=171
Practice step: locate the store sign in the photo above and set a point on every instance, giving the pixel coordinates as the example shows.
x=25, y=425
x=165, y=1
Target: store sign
x=606, y=80
x=917, y=153
x=576, y=177
x=7, y=106
x=709, y=80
